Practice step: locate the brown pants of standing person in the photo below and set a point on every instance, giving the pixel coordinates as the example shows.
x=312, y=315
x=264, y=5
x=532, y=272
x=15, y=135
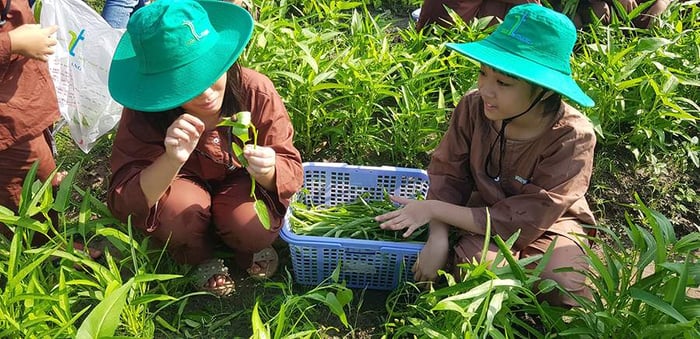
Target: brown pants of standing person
x=193, y=221
x=434, y=11
x=567, y=253
x=602, y=10
x=15, y=163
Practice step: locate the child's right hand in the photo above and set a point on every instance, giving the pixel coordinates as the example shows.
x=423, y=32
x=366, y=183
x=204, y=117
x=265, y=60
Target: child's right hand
x=182, y=137
x=33, y=41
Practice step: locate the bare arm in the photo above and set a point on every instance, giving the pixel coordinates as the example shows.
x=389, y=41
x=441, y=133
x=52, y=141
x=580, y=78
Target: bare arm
x=417, y=213
x=180, y=141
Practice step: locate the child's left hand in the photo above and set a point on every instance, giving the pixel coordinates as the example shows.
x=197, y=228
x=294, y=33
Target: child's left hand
x=261, y=161
x=414, y=214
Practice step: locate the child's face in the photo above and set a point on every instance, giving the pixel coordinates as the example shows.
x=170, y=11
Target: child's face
x=504, y=96
x=207, y=105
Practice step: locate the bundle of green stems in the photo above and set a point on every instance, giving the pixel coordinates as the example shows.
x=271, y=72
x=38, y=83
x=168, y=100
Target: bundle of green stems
x=353, y=220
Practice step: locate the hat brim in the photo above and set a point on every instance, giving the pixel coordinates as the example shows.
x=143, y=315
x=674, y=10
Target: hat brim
x=168, y=90
x=490, y=54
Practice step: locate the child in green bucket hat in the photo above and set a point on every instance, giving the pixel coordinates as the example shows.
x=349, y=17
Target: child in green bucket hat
x=173, y=169
x=515, y=147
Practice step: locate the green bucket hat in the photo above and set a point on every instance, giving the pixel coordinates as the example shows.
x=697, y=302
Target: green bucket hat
x=533, y=43
x=173, y=50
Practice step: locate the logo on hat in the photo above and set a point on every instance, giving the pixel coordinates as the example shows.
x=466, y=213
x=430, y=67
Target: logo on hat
x=196, y=35
x=512, y=31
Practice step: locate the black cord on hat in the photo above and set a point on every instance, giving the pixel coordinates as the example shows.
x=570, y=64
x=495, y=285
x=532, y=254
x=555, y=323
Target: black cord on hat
x=501, y=137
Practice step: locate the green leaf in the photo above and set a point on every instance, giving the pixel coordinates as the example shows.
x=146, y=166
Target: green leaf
x=241, y=132
x=165, y=324
x=263, y=215
x=64, y=190
x=42, y=198
x=149, y=298
x=104, y=319
x=337, y=308
x=260, y=330
x=25, y=222
x=238, y=152
x=25, y=197
x=657, y=303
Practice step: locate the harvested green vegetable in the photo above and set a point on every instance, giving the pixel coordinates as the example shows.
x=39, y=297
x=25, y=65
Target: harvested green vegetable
x=353, y=220
x=240, y=128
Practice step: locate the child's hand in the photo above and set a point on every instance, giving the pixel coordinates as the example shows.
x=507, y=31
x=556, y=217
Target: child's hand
x=261, y=161
x=182, y=137
x=33, y=41
x=414, y=214
x=431, y=258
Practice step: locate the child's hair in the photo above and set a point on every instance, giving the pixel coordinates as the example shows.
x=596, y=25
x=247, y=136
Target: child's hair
x=233, y=102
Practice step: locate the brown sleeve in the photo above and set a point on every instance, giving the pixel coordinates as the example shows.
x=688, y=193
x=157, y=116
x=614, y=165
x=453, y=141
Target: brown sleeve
x=28, y=103
x=559, y=181
x=135, y=147
x=5, y=53
x=449, y=171
x=275, y=130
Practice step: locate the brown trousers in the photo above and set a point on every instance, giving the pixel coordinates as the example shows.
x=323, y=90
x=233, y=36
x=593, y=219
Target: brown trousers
x=433, y=11
x=193, y=221
x=602, y=10
x=15, y=163
x=567, y=253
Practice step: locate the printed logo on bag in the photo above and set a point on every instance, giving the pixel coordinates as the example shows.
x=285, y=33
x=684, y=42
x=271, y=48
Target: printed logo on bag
x=513, y=31
x=74, y=40
x=196, y=35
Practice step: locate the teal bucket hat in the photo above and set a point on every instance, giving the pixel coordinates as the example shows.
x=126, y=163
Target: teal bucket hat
x=173, y=50
x=533, y=43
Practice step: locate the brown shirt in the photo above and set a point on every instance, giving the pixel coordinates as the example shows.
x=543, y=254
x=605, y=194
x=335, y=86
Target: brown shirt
x=543, y=180
x=28, y=102
x=138, y=144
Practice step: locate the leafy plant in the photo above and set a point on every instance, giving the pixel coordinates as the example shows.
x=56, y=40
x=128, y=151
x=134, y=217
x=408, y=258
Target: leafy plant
x=291, y=315
x=631, y=300
x=494, y=299
x=51, y=288
x=241, y=128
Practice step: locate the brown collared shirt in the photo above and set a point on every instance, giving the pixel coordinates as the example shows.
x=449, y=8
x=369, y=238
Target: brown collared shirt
x=543, y=181
x=138, y=144
x=28, y=102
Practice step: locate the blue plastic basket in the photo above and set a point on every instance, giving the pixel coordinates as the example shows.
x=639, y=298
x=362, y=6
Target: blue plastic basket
x=368, y=264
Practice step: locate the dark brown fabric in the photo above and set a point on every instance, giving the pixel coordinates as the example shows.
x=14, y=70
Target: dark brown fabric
x=28, y=107
x=591, y=10
x=28, y=102
x=433, y=11
x=137, y=144
x=192, y=221
x=543, y=181
x=15, y=163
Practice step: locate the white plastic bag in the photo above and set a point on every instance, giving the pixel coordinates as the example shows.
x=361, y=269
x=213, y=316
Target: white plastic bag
x=80, y=68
